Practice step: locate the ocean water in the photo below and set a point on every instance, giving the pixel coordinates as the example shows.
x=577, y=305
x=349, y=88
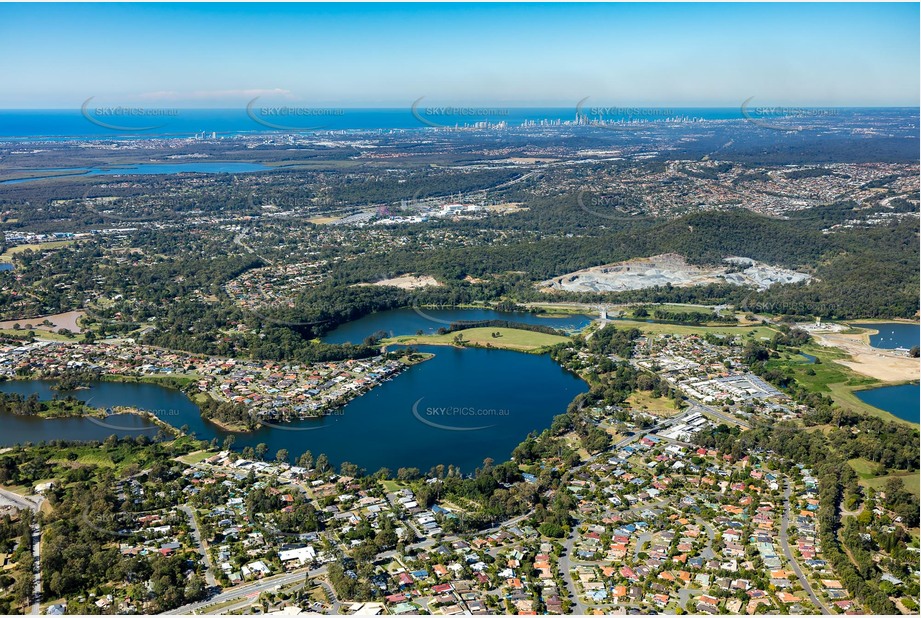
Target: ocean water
x=152, y=123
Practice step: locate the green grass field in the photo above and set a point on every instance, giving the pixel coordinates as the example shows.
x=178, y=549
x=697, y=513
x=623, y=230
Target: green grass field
x=7, y=256
x=509, y=339
x=681, y=329
x=819, y=376
x=119, y=458
x=912, y=481
x=864, y=468
x=196, y=457
x=673, y=308
x=844, y=395
x=642, y=400
x=40, y=334
x=392, y=486
x=316, y=593
x=561, y=310
x=176, y=381
x=828, y=377
x=23, y=490
x=87, y=456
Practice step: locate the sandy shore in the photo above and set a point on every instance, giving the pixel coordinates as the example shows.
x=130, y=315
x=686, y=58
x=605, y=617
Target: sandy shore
x=876, y=363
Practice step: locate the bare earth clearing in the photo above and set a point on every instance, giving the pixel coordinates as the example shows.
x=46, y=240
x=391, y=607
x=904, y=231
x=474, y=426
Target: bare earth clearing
x=671, y=268
x=881, y=364
x=58, y=321
x=408, y=282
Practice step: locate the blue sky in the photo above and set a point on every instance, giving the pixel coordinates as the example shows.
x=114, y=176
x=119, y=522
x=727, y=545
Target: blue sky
x=373, y=55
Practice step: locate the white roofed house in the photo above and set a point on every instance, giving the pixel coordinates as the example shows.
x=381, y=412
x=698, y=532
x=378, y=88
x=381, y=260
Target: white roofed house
x=257, y=569
x=301, y=555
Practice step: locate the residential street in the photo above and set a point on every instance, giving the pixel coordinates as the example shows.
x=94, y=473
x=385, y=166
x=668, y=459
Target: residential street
x=248, y=590
x=566, y=567
x=785, y=544
x=566, y=561
x=36, y=569
x=202, y=549
x=33, y=503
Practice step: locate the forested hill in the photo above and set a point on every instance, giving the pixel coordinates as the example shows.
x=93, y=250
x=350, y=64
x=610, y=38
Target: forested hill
x=865, y=272
x=707, y=238
x=702, y=238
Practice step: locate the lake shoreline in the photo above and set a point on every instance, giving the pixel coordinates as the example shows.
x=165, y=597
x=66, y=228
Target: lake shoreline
x=869, y=333
x=327, y=410
x=894, y=390
x=528, y=342
x=881, y=364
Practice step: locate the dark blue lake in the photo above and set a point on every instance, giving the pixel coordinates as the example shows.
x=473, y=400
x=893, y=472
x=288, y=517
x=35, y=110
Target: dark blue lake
x=21, y=429
x=164, y=402
x=458, y=408
x=893, y=335
x=409, y=321
x=902, y=400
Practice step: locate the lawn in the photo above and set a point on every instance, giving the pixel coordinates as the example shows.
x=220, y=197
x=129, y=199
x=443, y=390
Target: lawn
x=843, y=394
x=864, y=468
x=94, y=457
x=7, y=256
x=392, y=486
x=644, y=401
x=88, y=455
x=317, y=594
x=912, y=481
x=828, y=377
x=611, y=430
x=176, y=381
x=40, y=334
x=21, y=490
x=676, y=308
x=571, y=439
x=818, y=377
x=195, y=457
x=553, y=310
x=508, y=339
x=672, y=308
x=683, y=329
